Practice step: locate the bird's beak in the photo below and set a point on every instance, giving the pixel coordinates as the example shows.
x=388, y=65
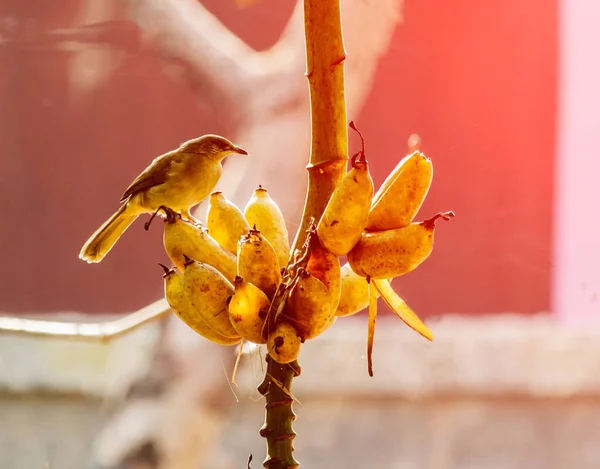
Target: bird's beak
x=240, y=151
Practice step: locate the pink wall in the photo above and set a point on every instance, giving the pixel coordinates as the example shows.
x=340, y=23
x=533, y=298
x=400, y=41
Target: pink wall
x=576, y=275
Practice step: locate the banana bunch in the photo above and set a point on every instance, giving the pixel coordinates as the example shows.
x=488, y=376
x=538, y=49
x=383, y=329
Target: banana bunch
x=378, y=235
x=237, y=280
x=226, y=274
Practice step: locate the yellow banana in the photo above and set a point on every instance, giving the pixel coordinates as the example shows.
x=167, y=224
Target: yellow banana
x=209, y=292
x=401, y=195
x=262, y=212
x=182, y=239
x=257, y=262
x=309, y=306
x=247, y=310
x=186, y=312
x=390, y=253
x=325, y=266
x=346, y=214
x=355, y=292
x=284, y=343
x=225, y=221
x=400, y=308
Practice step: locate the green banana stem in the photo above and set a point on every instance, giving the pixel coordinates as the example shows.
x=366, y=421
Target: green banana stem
x=278, y=429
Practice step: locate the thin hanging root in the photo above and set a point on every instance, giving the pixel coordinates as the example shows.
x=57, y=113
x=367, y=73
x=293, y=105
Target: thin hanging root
x=280, y=385
x=400, y=308
x=372, y=321
x=237, y=362
x=230, y=384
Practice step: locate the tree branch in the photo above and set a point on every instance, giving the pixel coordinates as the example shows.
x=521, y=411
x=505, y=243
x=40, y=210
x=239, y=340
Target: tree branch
x=186, y=30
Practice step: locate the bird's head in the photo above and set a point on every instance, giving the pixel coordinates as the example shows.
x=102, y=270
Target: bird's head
x=213, y=146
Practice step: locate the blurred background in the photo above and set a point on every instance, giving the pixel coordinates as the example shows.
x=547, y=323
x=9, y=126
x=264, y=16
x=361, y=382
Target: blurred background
x=504, y=97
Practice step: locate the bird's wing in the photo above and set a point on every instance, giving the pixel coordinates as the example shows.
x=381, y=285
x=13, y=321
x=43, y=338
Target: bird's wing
x=155, y=174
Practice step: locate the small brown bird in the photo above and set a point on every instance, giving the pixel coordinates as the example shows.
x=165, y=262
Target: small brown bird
x=178, y=179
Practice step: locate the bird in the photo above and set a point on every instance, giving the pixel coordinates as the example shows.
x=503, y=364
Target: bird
x=179, y=180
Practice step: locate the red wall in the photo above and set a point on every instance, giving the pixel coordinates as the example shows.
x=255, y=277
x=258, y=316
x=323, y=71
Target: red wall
x=477, y=80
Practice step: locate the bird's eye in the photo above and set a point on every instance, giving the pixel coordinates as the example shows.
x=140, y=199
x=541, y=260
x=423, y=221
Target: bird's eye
x=223, y=146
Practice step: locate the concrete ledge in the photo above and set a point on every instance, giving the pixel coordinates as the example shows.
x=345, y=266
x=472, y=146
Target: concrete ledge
x=487, y=356
x=66, y=366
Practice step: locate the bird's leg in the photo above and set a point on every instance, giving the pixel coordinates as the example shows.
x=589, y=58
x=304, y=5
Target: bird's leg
x=147, y=224
x=186, y=215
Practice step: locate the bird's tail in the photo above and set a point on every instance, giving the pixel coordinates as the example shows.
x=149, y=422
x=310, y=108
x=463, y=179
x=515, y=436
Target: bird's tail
x=108, y=234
